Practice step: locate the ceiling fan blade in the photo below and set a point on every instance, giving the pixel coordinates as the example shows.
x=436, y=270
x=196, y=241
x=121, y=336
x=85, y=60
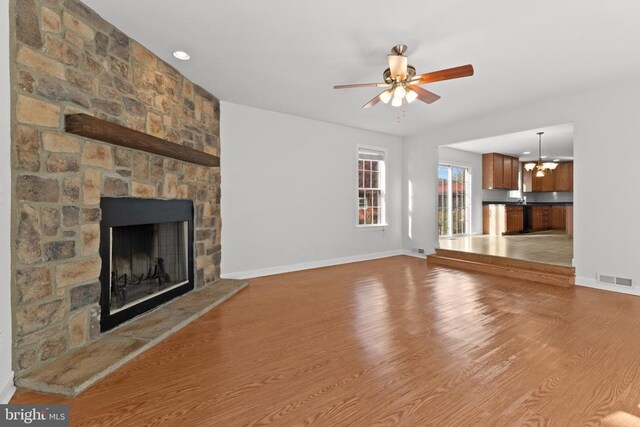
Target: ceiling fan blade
x=397, y=66
x=373, y=102
x=424, y=95
x=447, y=74
x=360, y=85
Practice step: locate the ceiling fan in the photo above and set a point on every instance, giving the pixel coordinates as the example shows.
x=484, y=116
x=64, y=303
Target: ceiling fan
x=402, y=83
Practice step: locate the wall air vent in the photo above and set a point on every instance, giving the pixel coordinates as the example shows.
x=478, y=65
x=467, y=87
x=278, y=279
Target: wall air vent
x=417, y=250
x=623, y=281
x=613, y=280
x=607, y=279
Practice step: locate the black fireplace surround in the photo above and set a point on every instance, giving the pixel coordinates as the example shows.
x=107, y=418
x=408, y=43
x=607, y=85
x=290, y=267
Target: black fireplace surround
x=127, y=212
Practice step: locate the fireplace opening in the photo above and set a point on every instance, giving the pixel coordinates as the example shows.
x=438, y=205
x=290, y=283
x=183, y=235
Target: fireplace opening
x=147, y=255
x=146, y=260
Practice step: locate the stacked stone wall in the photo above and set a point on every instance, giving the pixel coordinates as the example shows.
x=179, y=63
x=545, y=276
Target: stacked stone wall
x=67, y=59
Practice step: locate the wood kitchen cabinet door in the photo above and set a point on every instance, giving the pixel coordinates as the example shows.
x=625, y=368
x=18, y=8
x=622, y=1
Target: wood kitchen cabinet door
x=506, y=172
x=486, y=219
x=563, y=177
x=536, y=183
x=515, y=167
x=540, y=218
x=569, y=220
x=515, y=219
x=547, y=181
x=557, y=218
x=498, y=171
x=492, y=171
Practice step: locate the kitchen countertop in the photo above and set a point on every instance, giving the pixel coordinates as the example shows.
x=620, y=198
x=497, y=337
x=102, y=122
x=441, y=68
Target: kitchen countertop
x=529, y=203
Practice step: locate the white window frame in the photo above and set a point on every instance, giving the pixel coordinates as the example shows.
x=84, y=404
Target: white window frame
x=382, y=180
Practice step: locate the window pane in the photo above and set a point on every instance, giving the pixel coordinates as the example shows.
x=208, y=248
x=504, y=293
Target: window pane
x=369, y=198
x=374, y=166
x=374, y=199
x=375, y=216
x=361, y=164
x=367, y=179
x=443, y=191
x=453, y=199
x=360, y=179
x=369, y=216
x=374, y=179
x=361, y=200
x=361, y=216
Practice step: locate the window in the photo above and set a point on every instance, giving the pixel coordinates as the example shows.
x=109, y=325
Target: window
x=371, y=180
x=454, y=200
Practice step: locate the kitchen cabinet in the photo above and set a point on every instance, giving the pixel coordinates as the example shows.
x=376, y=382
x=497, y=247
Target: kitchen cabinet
x=560, y=179
x=493, y=219
x=515, y=219
x=563, y=177
x=557, y=217
x=540, y=217
x=499, y=172
x=569, y=220
x=500, y=219
x=547, y=181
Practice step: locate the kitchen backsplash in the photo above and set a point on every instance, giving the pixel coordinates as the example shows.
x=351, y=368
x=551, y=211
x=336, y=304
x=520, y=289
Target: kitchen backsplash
x=506, y=196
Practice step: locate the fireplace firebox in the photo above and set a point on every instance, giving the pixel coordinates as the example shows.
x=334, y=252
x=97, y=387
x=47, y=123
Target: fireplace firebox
x=146, y=246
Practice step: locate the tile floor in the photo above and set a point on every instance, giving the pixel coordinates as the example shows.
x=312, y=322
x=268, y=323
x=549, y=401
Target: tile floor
x=551, y=247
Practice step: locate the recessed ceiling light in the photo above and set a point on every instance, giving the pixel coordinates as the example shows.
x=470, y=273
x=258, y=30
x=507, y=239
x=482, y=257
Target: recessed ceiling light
x=543, y=157
x=526, y=152
x=556, y=160
x=181, y=55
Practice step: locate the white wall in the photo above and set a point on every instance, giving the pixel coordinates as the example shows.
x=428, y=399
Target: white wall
x=474, y=162
x=606, y=151
x=289, y=193
x=6, y=374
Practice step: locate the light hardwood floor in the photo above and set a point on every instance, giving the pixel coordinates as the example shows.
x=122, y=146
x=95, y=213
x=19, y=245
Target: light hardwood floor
x=551, y=247
x=381, y=343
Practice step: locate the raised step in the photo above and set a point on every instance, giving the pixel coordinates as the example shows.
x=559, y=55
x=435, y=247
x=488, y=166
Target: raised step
x=551, y=274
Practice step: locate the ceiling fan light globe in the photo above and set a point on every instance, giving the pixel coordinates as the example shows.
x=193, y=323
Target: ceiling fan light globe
x=399, y=92
x=411, y=96
x=540, y=173
x=386, y=96
x=396, y=102
x=529, y=166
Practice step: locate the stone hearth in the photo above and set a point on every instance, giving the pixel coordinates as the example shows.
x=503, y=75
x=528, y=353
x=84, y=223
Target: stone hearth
x=65, y=60
x=83, y=367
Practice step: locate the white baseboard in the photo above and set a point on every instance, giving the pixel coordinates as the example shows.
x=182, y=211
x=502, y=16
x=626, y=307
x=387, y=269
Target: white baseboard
x=308, y=265
x=414, y=254
x=7, y=388
x=588, y=282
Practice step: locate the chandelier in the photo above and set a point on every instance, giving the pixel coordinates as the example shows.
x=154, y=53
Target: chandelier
x=540, y=167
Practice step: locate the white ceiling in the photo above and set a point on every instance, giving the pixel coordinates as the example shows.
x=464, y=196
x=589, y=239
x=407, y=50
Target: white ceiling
x=557, y=143
x=285, y=55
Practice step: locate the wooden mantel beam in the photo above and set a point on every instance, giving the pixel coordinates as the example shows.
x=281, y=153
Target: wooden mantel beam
x=103, y=130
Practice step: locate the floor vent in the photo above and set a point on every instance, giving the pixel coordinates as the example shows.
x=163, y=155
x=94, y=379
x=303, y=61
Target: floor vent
x=612, y=280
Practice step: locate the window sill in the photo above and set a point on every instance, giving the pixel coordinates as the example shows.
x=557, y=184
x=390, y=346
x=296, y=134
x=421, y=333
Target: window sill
x=376, y=227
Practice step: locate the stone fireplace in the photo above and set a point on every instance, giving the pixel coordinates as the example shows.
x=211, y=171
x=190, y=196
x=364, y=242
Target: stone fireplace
x=146, y=248
x=68, y=60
